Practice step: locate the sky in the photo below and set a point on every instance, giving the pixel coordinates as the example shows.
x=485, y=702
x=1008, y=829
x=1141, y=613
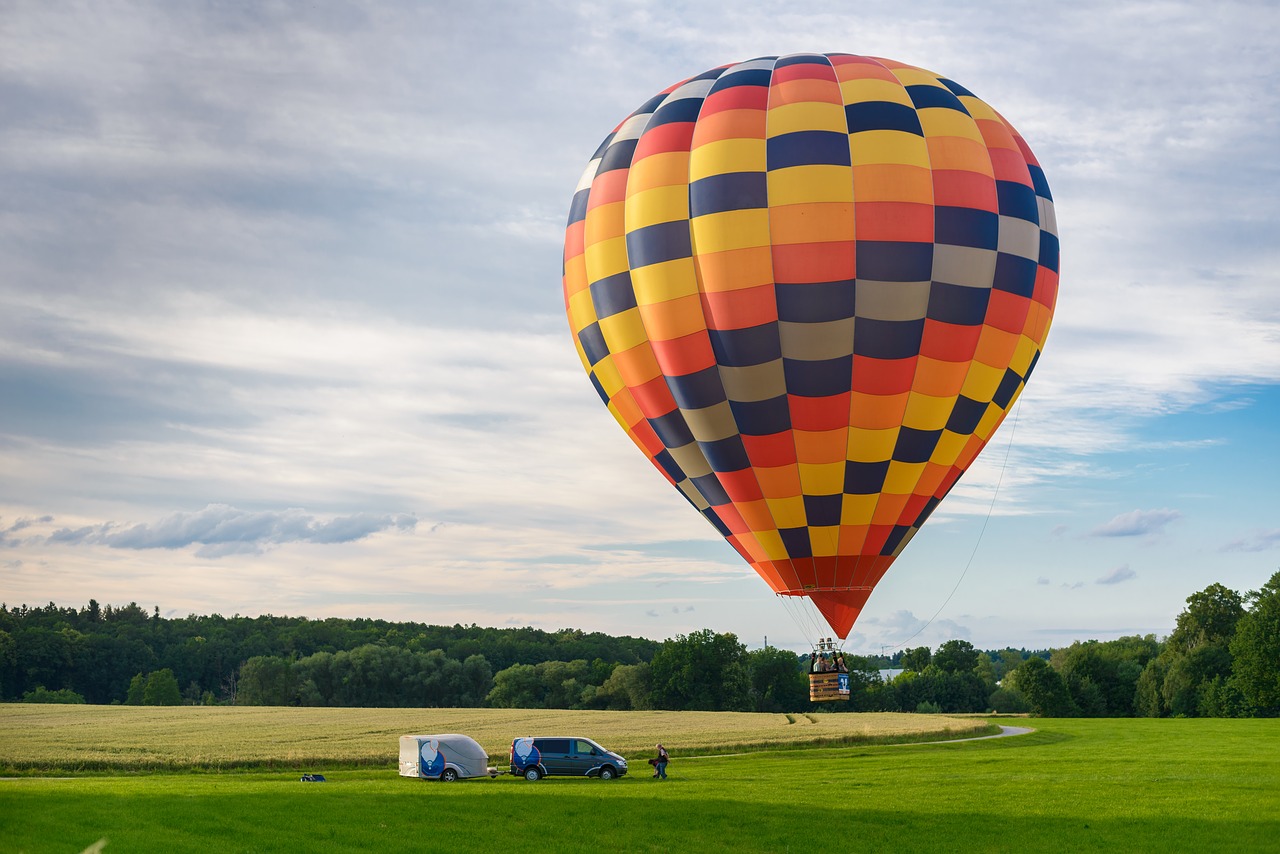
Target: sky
x=282, y=328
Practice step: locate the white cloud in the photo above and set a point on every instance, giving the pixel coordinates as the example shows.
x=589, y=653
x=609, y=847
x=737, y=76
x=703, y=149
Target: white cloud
x=1118, y=575
x=221, y=530
x=1137, y=523
x=904, y=629
x=1261, y=541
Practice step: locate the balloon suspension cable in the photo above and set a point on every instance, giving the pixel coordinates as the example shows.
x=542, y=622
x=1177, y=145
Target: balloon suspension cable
x=803, y=621
x=809, y=621
x=990, y=509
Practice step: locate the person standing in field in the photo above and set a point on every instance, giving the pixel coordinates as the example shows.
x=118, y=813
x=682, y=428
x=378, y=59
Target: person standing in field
x=660, y=765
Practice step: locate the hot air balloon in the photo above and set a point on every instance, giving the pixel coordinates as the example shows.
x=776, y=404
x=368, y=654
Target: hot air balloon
x=810, y=288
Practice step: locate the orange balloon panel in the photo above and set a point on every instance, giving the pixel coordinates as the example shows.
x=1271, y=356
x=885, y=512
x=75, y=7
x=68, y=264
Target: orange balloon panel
x=809, y=287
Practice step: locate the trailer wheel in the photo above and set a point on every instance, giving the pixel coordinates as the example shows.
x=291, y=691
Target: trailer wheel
x=449, y=775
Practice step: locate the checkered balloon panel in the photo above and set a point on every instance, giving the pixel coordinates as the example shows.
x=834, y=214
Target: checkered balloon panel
x=810, y=288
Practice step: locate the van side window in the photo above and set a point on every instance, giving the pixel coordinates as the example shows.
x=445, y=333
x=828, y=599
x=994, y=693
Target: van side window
x=552, y=745
x=585, y=748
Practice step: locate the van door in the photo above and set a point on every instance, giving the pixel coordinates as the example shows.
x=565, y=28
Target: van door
x=585, y=756
x=557, y=756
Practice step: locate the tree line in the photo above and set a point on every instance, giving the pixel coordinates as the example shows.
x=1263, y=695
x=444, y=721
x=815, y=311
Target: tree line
x=95, y=652
x=1221, y=660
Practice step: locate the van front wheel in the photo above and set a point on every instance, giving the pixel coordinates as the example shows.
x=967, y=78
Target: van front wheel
x=607, y=773
x=532, y=774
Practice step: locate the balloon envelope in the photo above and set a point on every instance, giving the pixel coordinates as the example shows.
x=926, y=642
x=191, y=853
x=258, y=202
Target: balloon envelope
x=809, y=288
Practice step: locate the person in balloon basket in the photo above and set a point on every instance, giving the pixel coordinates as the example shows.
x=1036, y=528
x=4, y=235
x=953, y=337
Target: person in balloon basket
x=659, y=763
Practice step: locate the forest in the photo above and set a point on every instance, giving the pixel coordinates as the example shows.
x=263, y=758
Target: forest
x=1221, y=660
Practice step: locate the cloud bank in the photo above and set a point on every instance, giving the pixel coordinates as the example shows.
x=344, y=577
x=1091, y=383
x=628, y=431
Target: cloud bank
x=220, y=530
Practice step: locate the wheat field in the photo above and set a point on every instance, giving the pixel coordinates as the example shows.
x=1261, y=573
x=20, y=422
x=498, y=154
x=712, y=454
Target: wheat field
x=89, y=738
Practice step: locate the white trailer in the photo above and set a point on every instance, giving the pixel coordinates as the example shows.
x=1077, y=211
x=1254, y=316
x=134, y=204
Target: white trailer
x=445, y=757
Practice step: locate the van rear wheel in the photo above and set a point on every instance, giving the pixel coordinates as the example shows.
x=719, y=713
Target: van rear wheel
x=448, y=776
x=532, y=774
x=607, y=773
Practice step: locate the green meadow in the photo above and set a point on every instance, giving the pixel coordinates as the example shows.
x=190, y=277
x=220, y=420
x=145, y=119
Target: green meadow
x=1072, y=785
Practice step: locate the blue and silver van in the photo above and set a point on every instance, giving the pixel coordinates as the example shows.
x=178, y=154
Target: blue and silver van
x=535, y=757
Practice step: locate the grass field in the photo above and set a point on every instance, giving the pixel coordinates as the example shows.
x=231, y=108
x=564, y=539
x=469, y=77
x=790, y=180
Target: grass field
x=45, y=738
x=1073, y=785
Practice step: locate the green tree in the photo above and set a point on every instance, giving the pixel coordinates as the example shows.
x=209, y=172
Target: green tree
x=266, y=680
x=1008, y=700
x=1148, y=699
x=1196, y=657
x=917, y=659
x=1191, y=675
x=476, y=681
x=1006, y=661
x=1255, y=648
x=8, y=662
x=702, y=670
x=985, y=669
x=628, y=687
x=516, y=687
x=372, y=675
x=563, y=682
x=1209, y=618
x=1220, y=698
x=432, y=679
x=778, y=680
x=43, y=695
x=137, y=685
x=1086, y=695
x=899, y=694
x=43, y=657
x=1044, y=689
x=1103, y=676
x=866, y=688
x=161, y=689
x=956, y=656
x=962, y=691
x=546, y=685
x=105, y=663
